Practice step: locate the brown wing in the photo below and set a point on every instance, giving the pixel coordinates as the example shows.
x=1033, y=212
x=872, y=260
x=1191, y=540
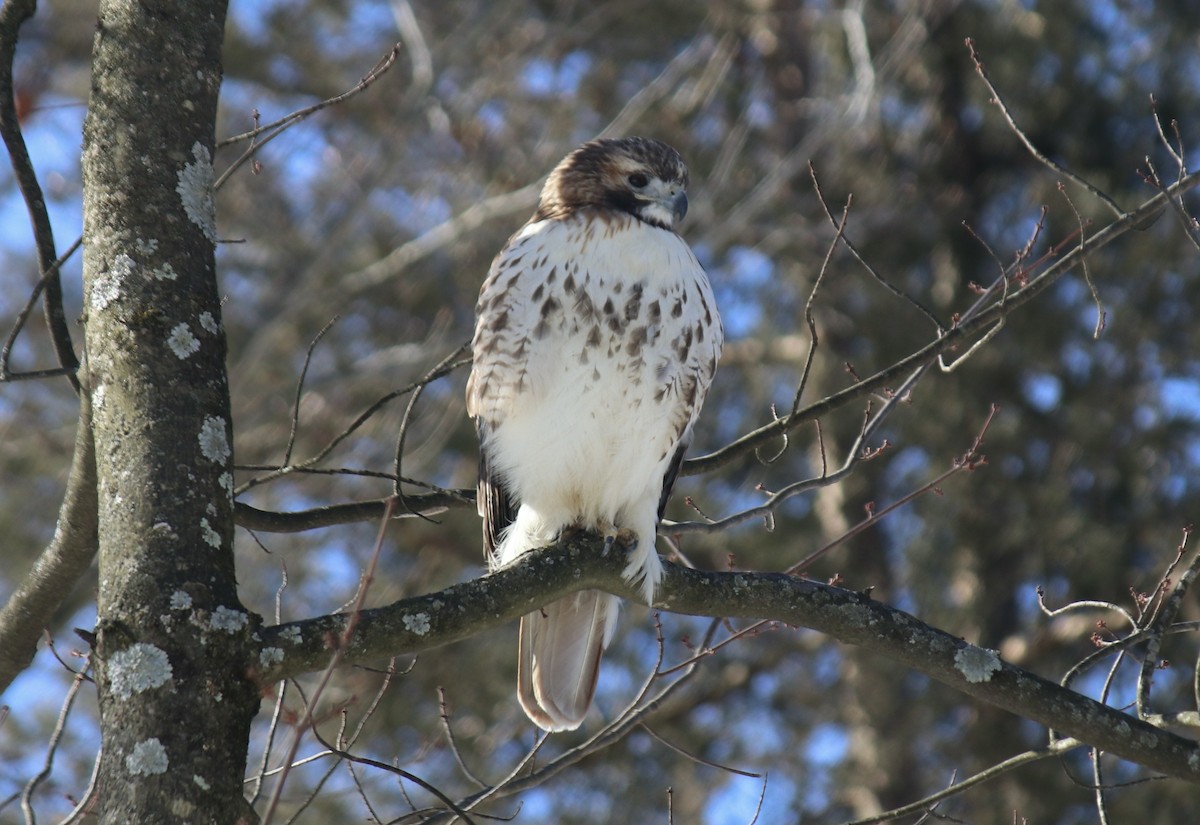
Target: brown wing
x=496, y=506
x=669, y=478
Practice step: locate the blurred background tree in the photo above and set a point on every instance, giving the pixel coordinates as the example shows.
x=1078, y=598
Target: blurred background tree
x=383, y=212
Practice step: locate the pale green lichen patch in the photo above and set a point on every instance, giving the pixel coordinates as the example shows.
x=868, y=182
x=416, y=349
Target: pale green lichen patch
x=107, y=286
x=137, y=668
x=977, y=664
x=182, y=342
x=195, y=188
x=213, y=442
x=417, y=623
x=147, y=758
x=229, y=621
x=211, y=537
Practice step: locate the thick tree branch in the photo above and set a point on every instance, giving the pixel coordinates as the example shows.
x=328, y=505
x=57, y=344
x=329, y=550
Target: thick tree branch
x=462, y=610
x=28, y=611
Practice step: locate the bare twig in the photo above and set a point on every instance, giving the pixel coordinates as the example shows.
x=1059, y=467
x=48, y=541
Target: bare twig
x=1059, y=748
x=340, y=644
x=52, y=747
x=419, y=504
x=84, y=807
x=448, y=365
x=1190, y=224
x=699, y=760
x=871, y=270
x=1101, y=315
x=444, y=714
x=952, y=339
x=6, y=373
x=276, y=128
x=443, y=367
x=12, y=16
x=295, y=428
x=813, y=338
x=383, y=766
x=1157, y=627
x=1025, y=141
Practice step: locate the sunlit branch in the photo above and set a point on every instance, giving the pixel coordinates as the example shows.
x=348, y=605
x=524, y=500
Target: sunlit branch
x=577, y=563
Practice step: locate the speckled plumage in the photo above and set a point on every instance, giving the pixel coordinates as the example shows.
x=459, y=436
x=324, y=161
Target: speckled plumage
x=596, y=340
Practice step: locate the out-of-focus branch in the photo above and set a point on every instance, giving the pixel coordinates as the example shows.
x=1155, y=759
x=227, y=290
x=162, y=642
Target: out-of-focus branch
x=13, y=15
x=65, y=559
x=956, y=338
x=278, y=127
x=578, y=563
x=402, y=257
x=412, y=506
x=926, y=804
x=1027, y=143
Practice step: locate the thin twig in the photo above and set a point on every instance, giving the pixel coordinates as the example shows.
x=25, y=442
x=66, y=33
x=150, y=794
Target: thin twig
x=23, y=314
x=1101, y=315
x=87, y=801
x=295, y=427
x=444, y=715
x=281, y=693
x=1162, y=620
x=383, y=766
x=1059, y=748
x=52, y=748
x=874, y=273
x=363, y=417
x=13, y=15
x=339, y=647
x=1027, y=143
x=278, y=127
x=813, y=339
x=699, y=760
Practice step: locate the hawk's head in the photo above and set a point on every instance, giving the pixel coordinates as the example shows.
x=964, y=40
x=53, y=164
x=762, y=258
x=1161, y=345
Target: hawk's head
x=643, y=177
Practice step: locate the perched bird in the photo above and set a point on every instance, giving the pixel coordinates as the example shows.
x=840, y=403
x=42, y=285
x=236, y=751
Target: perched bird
x=596, y=340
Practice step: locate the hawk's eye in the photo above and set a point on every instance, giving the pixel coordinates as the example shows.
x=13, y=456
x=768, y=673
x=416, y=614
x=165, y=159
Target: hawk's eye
x=637, y=180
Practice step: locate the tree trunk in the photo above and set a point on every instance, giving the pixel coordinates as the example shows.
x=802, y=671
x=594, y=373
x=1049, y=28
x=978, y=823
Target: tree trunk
x=175, y=706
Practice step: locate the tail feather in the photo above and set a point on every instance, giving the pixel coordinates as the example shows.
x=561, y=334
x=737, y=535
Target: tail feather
x=561, y=646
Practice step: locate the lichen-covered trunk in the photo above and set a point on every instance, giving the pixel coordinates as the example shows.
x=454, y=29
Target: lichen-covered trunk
x=175, y=703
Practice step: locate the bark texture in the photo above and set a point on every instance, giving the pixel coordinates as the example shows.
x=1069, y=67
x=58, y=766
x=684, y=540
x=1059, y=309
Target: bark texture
x=171, y=630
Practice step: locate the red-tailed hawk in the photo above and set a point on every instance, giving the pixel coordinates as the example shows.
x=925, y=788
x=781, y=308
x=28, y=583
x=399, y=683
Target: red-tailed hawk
x=596, y=339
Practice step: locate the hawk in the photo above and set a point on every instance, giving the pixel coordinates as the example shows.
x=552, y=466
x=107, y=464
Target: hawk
x=596, y=339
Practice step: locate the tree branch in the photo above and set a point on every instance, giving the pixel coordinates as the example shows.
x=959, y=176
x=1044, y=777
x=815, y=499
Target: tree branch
x=409, y=506
x=29, y=610
x=12, y=16
x=578, y=563
x=952, y=339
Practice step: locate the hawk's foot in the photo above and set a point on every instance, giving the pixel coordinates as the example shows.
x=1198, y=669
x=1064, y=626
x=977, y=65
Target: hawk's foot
x=628, y=539
x=569, y=532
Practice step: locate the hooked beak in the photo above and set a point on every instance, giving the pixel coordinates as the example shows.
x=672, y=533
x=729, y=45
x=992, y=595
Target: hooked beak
x=679, y=205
